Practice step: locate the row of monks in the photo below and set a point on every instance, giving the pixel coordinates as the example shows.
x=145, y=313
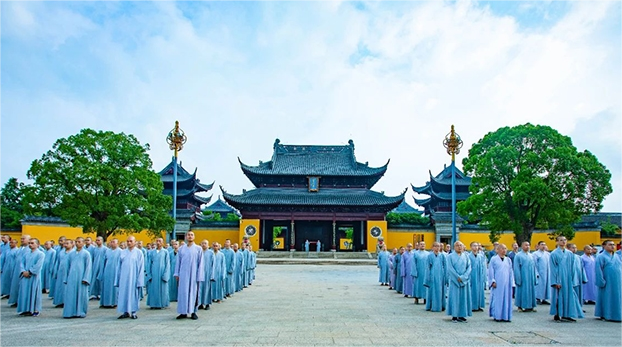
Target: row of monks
x=455, y=281
x=119, y=275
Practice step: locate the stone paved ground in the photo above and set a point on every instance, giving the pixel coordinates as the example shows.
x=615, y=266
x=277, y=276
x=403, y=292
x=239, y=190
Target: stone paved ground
x=302, y=305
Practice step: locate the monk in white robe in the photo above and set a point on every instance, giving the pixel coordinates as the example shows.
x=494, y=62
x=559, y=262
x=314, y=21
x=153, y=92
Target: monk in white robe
x=60, y=272
x=158, y=276
x=77, y=281
x=218, y=274
x=205, y=291
x=501, y=279
x=565, y=304
x=478, y=277
x=543, y=287
x=459, y=274
x=526, y=278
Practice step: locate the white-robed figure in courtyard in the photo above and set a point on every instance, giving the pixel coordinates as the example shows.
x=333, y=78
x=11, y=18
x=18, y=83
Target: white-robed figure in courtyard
x=205, y=290
x=418, y=270
x=97, y=257
x=543, y=288
x=60, y=272
x=608, y=273
x=31, y=266
x=218, y=274
x=189, y=273
x=459, y=274
x=501, y=279
x=478, y=277
x=565, y=304
x=158, y=276
x=436, y=279
x=383, y=266
x=77, y=281
x=107, y=277
x=526, y=278
x=130, y=279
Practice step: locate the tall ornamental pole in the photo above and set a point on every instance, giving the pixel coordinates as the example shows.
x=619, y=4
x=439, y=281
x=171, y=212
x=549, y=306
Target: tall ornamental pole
x=176, y=140
x=453, y=143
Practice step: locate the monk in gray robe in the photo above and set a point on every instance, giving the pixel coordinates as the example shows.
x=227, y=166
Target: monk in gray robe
x=189, y=274
x=172, y=282
x=218, y=274
x=60, y=272
x=15, y=278
x=48, y=265
x=543, y=288
x=419, y=266
x=205, y=290
x=8, y=263
x=230, y=262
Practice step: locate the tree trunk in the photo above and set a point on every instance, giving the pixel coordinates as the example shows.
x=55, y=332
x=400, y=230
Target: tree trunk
x=525, y=235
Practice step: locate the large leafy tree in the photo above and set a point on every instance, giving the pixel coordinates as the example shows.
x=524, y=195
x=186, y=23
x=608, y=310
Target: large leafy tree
x=531, y=176
x=12, y=209
x=101, y=181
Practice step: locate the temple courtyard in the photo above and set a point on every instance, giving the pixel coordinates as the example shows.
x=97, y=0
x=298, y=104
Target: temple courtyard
x=303, y=304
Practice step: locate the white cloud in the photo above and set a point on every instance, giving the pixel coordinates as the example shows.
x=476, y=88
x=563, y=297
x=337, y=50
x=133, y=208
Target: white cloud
x=239, y=76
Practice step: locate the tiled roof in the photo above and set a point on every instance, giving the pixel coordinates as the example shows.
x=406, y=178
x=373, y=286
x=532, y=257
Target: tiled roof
x=220, y=207
x=166, y=174
x=443, y=179
x=313, y=160
x=42, y=219
x=404, y=207
x=302, y=197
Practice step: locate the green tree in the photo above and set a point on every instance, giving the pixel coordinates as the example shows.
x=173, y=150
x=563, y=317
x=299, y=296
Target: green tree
x=609, y=229
x=531, y=175
x=407, y=218
x=12, y=209
x=101, y=181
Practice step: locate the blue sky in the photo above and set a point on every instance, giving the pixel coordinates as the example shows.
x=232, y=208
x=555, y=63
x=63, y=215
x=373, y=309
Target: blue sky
x=392, y=76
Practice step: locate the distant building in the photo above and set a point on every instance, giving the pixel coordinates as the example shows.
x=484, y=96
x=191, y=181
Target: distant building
x=222, y=208
x=438, y=205
x=188, y=203
x=314, y=193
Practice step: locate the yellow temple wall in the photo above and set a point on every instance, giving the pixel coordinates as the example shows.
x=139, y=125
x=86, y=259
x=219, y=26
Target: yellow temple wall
x=217, y=235
x=398, y=238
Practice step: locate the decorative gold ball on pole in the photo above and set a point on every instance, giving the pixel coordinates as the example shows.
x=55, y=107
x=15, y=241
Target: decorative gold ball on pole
x=176, y=139
x=453, y=143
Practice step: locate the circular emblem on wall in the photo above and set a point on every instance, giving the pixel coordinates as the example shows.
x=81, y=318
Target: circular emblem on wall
x=250, y=230
x=375, y=231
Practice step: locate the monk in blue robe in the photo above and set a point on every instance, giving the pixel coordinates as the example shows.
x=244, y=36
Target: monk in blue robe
x=399, y=283
x=158, y=276
x=218, y=274
x=31, y=266
x=608, y=273
x=436, y=280
x=98, y=250
x=237, y=270
x=307, y=247
x=589, y=265
x=205, y=290
x=110, y=293
x=48, y=265
x=406, y=270
x=501, y=279
x=253, y=265
x=15, y=278
x=230, y=262
x=543, y=288
x=77, y=281
x=579, y=276
x=392, y=268
x=459, y=274
x=418, y=271
x=526, y=278
x=8, y=264
x=565, y=304
x=189, y=273
x=130, y=279
x=478, y=277
x=60, y=272
x=383, y=266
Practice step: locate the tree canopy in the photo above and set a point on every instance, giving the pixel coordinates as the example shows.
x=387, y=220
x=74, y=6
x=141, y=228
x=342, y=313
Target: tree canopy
x=407, y=218
x=531, y=176
x=12, y=208
x=101, y=181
